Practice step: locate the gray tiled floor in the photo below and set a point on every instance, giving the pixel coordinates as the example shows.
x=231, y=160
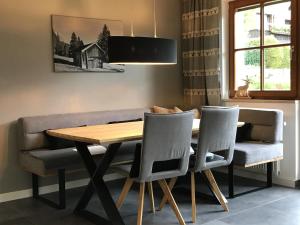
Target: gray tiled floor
x=276, y=206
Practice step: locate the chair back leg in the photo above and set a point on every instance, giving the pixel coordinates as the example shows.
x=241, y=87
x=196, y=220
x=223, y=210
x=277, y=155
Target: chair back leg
x=124, y=192
x=171, y=186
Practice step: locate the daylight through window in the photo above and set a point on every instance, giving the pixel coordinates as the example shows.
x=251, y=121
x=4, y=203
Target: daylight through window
x=262, y=41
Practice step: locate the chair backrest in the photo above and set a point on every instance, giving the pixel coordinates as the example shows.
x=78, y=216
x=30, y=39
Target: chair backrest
x=166, y=137
x=217, y=132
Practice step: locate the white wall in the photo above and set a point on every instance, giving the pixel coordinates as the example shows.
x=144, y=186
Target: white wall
x=28, y=85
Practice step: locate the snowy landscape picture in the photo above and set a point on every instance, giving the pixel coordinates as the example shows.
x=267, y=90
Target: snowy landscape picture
x=80, y=44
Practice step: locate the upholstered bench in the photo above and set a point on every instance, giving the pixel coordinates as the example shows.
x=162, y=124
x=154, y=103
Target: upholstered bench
x=38, y=156
x=258, y=142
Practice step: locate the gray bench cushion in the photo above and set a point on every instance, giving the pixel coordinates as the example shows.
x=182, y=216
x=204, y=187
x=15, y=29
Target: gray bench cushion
x=31, y=129
x=35, y=155
x=267, y=124
x=247, y=153
x=45, y=162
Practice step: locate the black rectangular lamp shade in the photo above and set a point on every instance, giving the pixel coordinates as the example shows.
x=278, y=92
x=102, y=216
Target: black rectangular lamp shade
x=141, y=50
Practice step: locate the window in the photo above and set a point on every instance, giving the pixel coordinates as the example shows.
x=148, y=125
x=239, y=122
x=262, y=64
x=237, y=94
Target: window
x=262, y=47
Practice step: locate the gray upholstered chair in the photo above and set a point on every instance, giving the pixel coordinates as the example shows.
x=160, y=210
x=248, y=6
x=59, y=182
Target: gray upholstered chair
x=216, y=134
x=167, y=139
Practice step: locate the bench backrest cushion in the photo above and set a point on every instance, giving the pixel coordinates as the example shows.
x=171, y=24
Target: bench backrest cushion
x=31, y=130
x=267, y=124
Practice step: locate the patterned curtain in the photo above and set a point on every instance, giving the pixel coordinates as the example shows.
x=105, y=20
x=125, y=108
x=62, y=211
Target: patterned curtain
x=201, y=52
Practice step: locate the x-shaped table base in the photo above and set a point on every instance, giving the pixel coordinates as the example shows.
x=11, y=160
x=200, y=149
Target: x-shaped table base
x=97, y=184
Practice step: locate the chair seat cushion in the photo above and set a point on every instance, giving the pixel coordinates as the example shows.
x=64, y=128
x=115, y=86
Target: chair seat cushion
x=247, y=153
x=125, y=154
x=126, y=169
x=211, y=160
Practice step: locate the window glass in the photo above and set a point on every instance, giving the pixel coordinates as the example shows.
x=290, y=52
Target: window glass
x=248, y=67
x=277, y=72
x=277, y=20
x=247, y=27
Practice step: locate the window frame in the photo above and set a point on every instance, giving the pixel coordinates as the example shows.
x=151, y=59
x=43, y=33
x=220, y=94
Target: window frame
x=265, y=94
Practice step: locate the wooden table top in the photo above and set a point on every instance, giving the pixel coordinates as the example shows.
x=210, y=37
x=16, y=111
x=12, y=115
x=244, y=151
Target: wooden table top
x=108, y=133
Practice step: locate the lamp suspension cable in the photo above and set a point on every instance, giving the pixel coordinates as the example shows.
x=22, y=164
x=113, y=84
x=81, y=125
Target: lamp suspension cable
x=131, y=20
x=154, y=17
x=142, y=50
x=131, y=28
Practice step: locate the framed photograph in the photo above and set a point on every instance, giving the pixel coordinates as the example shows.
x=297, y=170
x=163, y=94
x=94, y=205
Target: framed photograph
x=80, y=44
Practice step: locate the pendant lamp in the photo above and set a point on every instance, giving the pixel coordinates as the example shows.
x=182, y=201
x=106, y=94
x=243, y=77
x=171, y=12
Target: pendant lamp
x=142, y=50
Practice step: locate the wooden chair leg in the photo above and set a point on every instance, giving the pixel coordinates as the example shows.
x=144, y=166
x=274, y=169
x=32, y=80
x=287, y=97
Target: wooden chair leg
x=193, y=196
x=141, y=204
x=167, y=192
x=164, y=200
x=124, y=192
x=151, y=197
x=214, y=186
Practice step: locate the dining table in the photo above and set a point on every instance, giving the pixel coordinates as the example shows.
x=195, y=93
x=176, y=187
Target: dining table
x=113, y=135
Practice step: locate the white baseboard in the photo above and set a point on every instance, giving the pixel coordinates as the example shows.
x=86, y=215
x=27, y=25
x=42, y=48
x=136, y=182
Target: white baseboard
x=10, y=196
x=261, y=177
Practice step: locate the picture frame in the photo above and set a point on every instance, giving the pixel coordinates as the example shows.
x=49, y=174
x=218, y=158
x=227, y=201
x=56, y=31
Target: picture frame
x=80, y=44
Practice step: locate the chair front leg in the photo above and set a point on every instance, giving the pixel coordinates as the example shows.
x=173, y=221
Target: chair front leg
x=215, y=188
x=193, y=196
x=167, y=192
x=165, y=199
x=151, y=197
x=141, y=204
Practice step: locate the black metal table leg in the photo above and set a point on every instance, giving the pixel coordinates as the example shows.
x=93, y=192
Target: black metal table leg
x=97, y=184
x=85, y=198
